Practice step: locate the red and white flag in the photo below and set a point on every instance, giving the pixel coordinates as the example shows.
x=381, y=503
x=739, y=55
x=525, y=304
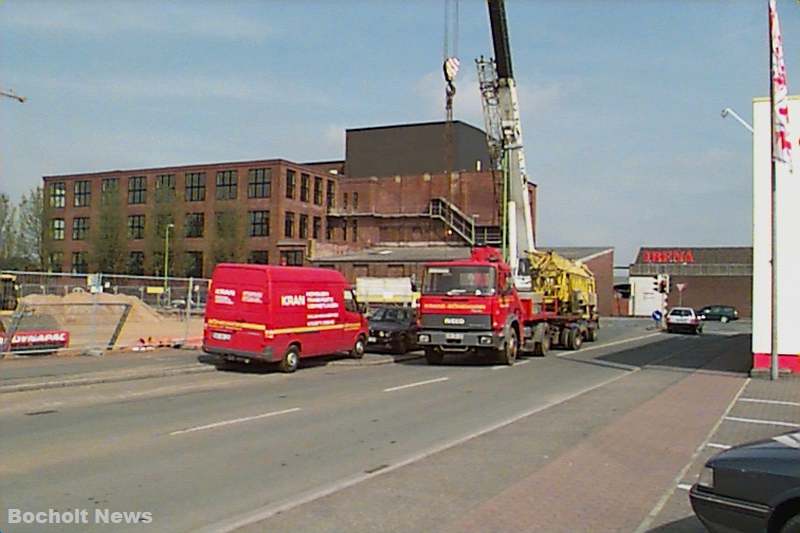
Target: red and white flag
x=781, y=146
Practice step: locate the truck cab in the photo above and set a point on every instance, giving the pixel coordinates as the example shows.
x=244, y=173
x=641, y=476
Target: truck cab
x=470, y=306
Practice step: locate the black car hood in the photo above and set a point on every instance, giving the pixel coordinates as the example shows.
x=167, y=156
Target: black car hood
x=781, y=447
x=381, y=325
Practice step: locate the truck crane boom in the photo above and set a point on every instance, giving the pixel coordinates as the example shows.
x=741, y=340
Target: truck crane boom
x=518, y=220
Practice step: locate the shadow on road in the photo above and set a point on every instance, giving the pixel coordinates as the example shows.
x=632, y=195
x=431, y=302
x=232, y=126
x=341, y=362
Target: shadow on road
x=312, y=362
x=690, y=524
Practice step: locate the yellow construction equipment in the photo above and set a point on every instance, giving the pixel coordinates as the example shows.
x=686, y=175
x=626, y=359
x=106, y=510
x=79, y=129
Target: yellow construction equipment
x=565, y=286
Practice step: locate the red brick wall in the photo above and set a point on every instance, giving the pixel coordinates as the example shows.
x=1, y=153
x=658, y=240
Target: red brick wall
x=602, y=267
x=709, y=290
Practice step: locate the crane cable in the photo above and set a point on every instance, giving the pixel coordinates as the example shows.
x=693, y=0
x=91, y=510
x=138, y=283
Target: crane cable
x=450, y=52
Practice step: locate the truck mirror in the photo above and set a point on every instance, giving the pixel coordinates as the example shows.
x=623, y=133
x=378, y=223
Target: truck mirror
x=362, y=308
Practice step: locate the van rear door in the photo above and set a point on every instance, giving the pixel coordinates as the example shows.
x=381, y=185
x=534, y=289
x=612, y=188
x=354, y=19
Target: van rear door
x=238, y=308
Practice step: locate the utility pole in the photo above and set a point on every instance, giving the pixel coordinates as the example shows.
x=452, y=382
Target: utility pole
x=11, y=94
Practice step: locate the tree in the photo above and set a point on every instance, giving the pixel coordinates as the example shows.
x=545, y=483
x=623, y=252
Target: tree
x=8, y=231
x=229, y=236
x=30, y=229
x=108, y=236
x=167, y=210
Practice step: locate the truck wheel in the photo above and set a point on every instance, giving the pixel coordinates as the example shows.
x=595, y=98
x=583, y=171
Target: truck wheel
x=541, y=348
x=591, y=334
x=290, y=361
x=508, y=355
x=575, y=339
x=433, y=356
x=358, y=348
x=563, y=338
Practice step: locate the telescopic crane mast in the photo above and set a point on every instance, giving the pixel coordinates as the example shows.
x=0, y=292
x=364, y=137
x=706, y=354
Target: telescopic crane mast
x=504, y=129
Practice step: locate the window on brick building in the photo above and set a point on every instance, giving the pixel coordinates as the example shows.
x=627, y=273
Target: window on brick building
x=303, y=232
x=304, y=186
x=194, y=224
x=288, y=225
x=259, y=183
x=80, y=264
x=109, y=185
x=165, y=187
x=355, y=201
x=58, y=194
x=344, y=201
x=80, y=228
x=57, y=229
x=227, y=185
x=136, y=227
x=136, y=263
x=259, y=223
x=331, y=194
x=194, y=264
x=83, y=194
x=290, y=183
x=195, y=186
x=344, y=230
x=355, y=230
x=137, y=189
x=329, y=231
x=292, y=257
x=258, y=257
x=317, y=191
x=316, y=230
x=56, y=261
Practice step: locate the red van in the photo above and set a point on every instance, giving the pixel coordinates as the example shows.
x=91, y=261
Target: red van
x=274, y=313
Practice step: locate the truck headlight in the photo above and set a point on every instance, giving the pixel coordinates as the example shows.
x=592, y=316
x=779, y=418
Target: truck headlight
x=424, y=338
x=706, y=479
x=486, y=340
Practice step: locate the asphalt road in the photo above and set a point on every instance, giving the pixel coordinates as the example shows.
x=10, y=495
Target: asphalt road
x=402, y=447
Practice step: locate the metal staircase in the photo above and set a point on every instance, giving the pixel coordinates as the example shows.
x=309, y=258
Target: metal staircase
x=462, y=224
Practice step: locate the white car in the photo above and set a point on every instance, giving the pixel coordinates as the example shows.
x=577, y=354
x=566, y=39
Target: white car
x=684, y=319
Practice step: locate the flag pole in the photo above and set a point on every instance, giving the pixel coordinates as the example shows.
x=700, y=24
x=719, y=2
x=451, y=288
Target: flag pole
x=773, y=371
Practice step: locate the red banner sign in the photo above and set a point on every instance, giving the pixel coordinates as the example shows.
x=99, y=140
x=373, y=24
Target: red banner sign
x=33, y=339
x=667, y=256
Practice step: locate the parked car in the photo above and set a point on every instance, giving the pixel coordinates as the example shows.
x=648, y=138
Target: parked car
x=394, y=328
x=281, y=314
x=723, y=313
x=684, y=319
x=753, y=487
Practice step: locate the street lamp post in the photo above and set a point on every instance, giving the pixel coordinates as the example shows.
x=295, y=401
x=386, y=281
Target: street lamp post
x=166, y=255
x=728, y=111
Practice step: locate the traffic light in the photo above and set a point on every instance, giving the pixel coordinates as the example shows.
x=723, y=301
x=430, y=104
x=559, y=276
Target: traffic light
x=663, y=283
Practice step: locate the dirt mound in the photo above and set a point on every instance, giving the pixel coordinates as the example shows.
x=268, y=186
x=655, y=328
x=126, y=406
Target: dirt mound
x=77, y=306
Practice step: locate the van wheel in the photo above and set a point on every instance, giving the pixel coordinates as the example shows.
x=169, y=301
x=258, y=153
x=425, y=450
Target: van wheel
x=433, y=356
x=290, y=361
x=358, y=348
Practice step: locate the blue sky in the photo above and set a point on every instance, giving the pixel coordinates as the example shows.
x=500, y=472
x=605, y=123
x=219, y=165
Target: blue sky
x=621, y=100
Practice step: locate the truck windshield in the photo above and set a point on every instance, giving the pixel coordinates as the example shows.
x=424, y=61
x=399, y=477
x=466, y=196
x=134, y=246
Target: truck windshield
x=473, y=281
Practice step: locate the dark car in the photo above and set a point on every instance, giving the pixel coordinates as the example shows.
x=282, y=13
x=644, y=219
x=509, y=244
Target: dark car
x=723, y=313
x=394, y=328
x=754, y=487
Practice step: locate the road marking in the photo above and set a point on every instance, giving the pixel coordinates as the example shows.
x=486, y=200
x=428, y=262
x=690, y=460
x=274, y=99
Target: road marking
x=326, y=490
x=234, y=421
x=771, y=402
x=615, y=343
x=763, y=422
x=648, y=521
x=416, y=384
x=684, y=486
x=519, y=363
x=718, y=446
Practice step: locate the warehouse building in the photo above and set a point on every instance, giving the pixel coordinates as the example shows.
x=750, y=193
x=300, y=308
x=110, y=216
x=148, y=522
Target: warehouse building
x=697, y=277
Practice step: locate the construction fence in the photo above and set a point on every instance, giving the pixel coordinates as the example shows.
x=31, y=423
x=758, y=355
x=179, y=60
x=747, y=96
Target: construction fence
x=91, y=313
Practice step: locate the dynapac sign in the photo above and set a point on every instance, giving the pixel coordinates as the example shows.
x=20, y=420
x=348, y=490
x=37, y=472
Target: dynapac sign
x=46, y=338
x=667, y=256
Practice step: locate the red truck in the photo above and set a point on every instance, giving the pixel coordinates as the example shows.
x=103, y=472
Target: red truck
x=472, y=305
x=281, y=314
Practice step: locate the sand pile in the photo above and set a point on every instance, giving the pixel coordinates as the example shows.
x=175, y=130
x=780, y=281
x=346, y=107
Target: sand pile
x=76, y=307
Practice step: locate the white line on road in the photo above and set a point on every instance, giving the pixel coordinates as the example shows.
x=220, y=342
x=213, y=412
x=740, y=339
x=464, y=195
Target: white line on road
x=606, y=345
x=764, y=422
x=718, y=446
x=235, y=421
x=336, y=486
x=771, y=402
x=416, y=384
x=519, y=363
x=684, y=486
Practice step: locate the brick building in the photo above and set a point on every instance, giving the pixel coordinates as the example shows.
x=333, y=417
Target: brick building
x=280, y=205
x=708, y=276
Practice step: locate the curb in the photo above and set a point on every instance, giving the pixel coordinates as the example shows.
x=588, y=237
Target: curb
x=24, y=387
